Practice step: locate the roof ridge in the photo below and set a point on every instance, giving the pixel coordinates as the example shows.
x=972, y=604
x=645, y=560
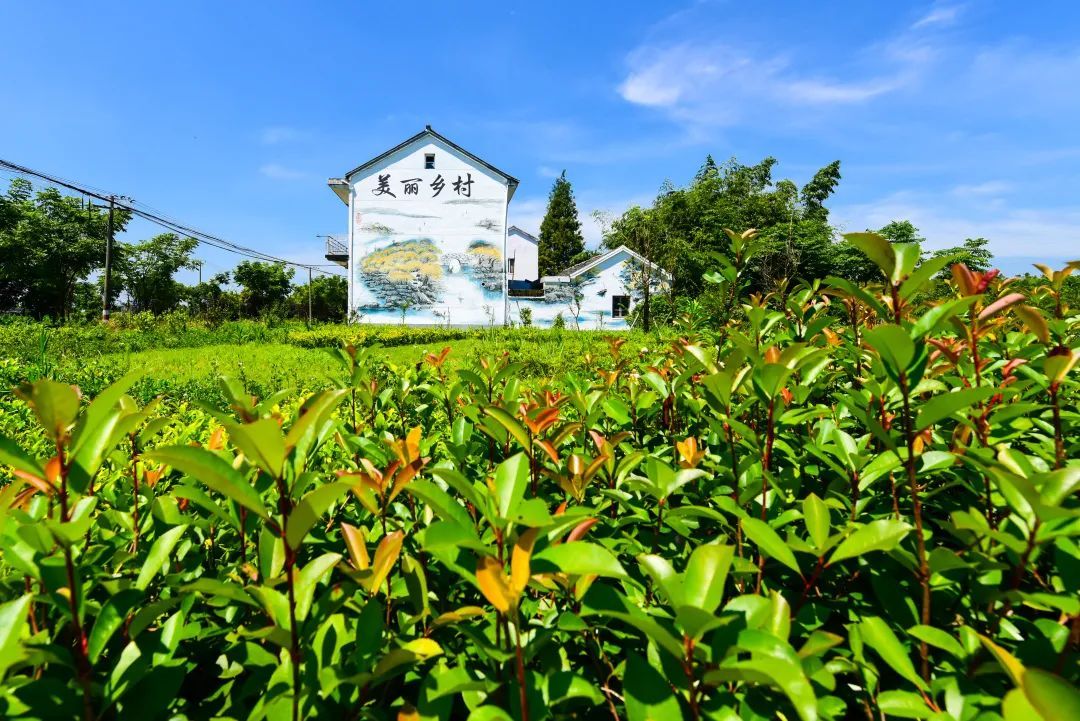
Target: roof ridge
x=428, y=130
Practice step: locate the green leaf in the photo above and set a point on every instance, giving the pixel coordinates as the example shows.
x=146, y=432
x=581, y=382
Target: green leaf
x=314, y=414
x=880, y=535
x=907, y=255
x=942, y=406
x=261, y=441
x=893, y=344
x=489, y=713
x=440, y=502
x=877, y=248
x=579, y=558
x=56, y=405
x=12, y=455
x=1051, y=695
x=854, y=291
x=95, y=435
x=778, y=669
x=1056, y=486
x=213, y=472
x=158, y=556
x=13, y=619
x=879, y=637
x=903, y=704
x=816, y=517
x=221, y=589
x=511, y=478
x=109, y=619
x=770, y=543
x=931, y=319
x=705, y=575
x=938, y=639
x=450, y=535
x=308, y=578
x=512, y=425
x=310, y=509
x=648, y=695
x=664, y=576
x=926, y=270
x=462, y=485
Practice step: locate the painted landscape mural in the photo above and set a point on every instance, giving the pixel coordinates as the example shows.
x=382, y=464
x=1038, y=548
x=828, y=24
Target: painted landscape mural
x=428, y=237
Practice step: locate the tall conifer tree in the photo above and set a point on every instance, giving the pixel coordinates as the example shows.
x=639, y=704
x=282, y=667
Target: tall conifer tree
x=560, y=233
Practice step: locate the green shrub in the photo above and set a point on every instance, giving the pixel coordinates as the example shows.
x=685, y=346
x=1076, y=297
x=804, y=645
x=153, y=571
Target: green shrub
x=813, y=515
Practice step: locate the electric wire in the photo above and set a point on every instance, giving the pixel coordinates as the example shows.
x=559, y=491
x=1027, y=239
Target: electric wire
x=158, y=218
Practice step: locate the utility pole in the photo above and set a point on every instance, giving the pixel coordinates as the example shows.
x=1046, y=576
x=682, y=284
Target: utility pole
x=108, y=263
x=198, y=264
x=309, y=296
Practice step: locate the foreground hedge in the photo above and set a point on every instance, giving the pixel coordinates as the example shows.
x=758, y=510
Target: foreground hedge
x=815, y=515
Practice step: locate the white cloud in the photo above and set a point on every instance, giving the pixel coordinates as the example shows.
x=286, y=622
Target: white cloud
x=942, y=15
x=1012, y=231
x=988, y=189
x=275, y=171
x=821, y=91
x=711, y=84
x=280, y=134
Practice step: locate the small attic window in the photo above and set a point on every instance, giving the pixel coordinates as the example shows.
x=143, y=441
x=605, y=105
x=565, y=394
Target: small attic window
x=429, y=161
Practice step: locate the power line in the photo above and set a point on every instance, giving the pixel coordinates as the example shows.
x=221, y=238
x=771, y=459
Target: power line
x=159, y=218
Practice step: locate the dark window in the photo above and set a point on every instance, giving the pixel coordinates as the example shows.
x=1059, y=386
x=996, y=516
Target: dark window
x=620, y=306
x=429, y=161
x=510, y=266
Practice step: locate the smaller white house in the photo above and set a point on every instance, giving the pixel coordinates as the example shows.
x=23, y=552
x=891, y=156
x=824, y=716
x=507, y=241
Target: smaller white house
x=522, y=255
x=600, y=292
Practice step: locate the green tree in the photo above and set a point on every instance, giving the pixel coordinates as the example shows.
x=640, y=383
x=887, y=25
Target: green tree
x=850, y=263
x=212, y=300
x=329, y=298
x=817, y=191
x=973, y=253
x=795, y=236
x=265, y=287
x=145, y=271
x=560, y=232
x=900, y=231
x=49, y=243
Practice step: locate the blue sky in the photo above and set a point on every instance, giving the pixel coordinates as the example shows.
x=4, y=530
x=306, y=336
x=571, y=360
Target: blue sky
x=962, y=117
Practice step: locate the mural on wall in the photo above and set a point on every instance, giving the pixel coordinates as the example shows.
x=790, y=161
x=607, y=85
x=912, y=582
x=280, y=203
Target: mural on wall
x=429, y=242
x=404, y=274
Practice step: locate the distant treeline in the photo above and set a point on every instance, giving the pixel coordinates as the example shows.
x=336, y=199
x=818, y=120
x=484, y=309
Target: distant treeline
x=51, y=245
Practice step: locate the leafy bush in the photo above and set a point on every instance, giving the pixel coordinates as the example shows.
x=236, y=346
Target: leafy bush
x=848, y=504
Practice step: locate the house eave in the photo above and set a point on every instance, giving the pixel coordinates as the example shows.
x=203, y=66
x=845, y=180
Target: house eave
x=340, y=186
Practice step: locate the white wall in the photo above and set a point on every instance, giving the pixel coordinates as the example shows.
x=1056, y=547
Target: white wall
x=441, y=252
x=524, y=251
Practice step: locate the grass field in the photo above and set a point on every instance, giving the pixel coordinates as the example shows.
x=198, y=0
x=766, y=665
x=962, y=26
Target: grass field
x=185, y=363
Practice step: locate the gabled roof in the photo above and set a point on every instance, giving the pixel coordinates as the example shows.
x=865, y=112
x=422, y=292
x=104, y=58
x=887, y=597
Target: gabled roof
x=511, y=181
x=586, y=265
x=525, y=234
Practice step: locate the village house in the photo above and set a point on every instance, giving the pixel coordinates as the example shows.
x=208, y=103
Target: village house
x=428, y=244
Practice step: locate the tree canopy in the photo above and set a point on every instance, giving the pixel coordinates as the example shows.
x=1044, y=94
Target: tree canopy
x=50, y=244
x=265, y=286
x=146, y=270
x=560, y=232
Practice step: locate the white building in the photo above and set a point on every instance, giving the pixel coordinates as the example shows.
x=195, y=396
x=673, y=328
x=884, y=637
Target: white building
x=428, y=244
x=598, y=293
x=522, y=255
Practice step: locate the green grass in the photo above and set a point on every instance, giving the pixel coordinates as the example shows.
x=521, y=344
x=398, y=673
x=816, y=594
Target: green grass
x=192, y=373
